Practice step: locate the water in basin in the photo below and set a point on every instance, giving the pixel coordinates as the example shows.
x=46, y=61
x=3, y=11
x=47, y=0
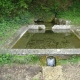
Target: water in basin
x=47, y=39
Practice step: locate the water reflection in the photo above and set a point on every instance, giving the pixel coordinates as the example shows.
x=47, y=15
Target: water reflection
x=36, y=31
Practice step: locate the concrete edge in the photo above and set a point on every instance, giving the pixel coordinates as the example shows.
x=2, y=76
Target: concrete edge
x=41, y=51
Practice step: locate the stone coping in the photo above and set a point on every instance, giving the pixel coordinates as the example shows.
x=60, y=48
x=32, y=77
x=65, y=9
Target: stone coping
x=61, y=27
x=36, y=26
x=40, y=51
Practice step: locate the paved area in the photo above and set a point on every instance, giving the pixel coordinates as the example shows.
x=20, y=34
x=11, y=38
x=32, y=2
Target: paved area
x=52, y=73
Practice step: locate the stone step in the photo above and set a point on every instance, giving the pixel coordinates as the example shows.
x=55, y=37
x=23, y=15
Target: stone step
x=52, y=73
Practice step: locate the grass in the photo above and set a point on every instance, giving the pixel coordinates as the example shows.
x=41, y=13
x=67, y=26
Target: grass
x=7, y=29
x=74, y=59
x=32, y=59
x=35, y=79
x=18, y=59
x=73, y=16
x=9, y=26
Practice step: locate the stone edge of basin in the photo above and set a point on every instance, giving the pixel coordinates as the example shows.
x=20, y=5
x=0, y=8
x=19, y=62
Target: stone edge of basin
x=61, y=27
x=76, y=31
x=36, y=26
x=41, y=51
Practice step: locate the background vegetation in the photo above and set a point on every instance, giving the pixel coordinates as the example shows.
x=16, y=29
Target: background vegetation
x=14, y=13
x=74, y=59
x=7, y=58
x=22, y=10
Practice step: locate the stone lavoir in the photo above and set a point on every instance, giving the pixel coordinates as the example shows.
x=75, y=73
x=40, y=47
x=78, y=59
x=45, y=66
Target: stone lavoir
x=59, y=37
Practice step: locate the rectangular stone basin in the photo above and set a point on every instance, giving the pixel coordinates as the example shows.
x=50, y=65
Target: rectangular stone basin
x=47, y=39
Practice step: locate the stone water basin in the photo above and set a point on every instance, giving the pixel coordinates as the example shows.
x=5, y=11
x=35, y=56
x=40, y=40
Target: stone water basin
x=37, y=37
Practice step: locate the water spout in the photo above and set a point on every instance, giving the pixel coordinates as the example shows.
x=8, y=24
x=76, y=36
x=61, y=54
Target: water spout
x=51, y=61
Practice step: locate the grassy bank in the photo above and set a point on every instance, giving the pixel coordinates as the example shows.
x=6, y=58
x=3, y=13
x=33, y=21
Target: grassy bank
x=74, y=59
x=74, y=17
x=32, y=59
x=18, y=59
x=9, y=26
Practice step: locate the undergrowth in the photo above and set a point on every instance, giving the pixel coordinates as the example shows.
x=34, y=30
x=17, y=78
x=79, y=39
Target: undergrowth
x=9, y=26
x=32, y=59
x=73, y=17
x=19, y=59
x=74, y=59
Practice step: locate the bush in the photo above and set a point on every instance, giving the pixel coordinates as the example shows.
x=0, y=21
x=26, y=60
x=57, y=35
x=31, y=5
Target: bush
x=5, y=58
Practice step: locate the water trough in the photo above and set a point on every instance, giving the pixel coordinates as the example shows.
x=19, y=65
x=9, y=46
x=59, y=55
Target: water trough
x=7, y=46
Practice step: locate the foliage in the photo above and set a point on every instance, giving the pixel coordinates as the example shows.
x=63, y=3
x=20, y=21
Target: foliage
x=73, y=16
x=13, y=8
x=20, y=59
x=9, y=26
x=25, y=59
x=5, y=58
x=74, y=59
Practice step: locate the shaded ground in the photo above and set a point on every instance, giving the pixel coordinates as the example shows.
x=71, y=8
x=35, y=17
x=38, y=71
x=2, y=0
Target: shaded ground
x=34, y=72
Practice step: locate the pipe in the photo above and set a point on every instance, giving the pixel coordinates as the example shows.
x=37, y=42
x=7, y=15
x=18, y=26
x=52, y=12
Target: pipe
x=51, y=61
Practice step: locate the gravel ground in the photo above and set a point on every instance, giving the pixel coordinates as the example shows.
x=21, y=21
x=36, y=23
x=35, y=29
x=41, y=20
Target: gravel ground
x=20, y=72
x=52, y=73
x=71, y=71
x=34, y=72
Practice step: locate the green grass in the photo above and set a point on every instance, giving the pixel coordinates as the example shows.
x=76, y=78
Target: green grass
x=32, y=59
x=35, y=79
x=18, y=59
x=74, y=59
x=73, y=16
x=9, y=26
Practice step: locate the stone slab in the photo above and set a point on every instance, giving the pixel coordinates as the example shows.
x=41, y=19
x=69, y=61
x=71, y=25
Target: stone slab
x=61, y=27
x=36, y=26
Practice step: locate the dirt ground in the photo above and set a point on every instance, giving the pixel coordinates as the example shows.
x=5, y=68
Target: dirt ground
x=71, y=71
x=20, y=72
x=34, y=72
